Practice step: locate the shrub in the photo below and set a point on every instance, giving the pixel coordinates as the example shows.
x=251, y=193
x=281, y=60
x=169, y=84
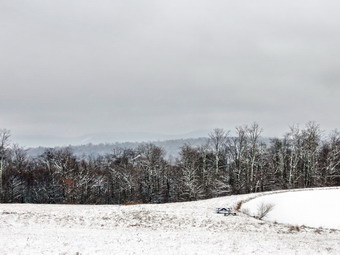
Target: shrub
x=318, y=231
x=238, y=205
x=294, y=228
x=263, y=210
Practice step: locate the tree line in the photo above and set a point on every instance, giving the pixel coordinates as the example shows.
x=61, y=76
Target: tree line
x=241, y=163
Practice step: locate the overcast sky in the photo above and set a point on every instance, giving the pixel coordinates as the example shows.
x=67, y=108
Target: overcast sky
x=72, y=67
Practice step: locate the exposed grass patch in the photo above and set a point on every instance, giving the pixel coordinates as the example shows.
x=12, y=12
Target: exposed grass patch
x=318, y=231
x=238, y=206
x=294, y=229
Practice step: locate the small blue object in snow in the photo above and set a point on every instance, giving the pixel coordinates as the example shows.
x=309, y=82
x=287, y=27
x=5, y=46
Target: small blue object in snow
x=225, y=211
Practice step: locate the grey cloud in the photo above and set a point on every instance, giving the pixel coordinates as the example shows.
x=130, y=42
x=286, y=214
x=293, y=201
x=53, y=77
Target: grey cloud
x=73, y=67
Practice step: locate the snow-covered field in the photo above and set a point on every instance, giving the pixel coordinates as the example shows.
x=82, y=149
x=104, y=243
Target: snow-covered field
x=319, y=208
x=178, y=228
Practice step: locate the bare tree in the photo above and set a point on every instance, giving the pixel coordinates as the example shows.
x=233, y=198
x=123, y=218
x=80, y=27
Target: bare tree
x=330, y=160
x=217, y=140
x=237, y=152
x=151, y=164
x=263, y=209
x=255, y=150
x=293, y=143
x=4, y=143
x=191, y=179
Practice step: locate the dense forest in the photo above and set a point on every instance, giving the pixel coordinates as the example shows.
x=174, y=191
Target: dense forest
x=225, y=165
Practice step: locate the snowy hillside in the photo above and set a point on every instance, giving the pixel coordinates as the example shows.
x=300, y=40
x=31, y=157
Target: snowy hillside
x=315, y=208
x=178, y=228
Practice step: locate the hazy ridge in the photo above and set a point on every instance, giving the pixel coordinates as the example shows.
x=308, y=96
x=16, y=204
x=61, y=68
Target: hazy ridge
x=171, y=147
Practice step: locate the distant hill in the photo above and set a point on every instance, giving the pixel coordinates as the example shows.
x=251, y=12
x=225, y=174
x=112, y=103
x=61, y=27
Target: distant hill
x=102, y=137
x=172, y=147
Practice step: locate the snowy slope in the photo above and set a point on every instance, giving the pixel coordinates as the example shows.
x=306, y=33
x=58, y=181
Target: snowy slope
x=315, y=208
x=178, y=228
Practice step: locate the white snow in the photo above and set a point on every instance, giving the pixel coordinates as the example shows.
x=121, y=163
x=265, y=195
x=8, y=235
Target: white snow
x=177, y=228
x=314, y=208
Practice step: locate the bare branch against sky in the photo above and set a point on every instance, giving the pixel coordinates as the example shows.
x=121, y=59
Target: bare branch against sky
x=72, y=67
